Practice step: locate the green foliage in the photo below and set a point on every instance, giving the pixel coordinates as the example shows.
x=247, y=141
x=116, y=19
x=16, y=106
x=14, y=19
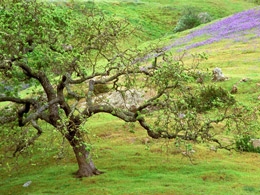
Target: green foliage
x=208, y=97
x=244, y=143
x=29, y=35
x=190, y=19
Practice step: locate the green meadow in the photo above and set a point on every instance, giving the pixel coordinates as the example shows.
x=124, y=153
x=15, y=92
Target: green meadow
x=134, y=163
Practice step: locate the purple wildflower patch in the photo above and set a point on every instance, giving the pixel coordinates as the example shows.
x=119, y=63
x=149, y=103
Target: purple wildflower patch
x=235, y=27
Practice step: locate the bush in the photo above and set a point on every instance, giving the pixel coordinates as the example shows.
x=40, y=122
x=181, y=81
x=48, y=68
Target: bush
x=190, y=19
x=212, y=96
x=244, y=144
x=204, y=17
x=209, y=97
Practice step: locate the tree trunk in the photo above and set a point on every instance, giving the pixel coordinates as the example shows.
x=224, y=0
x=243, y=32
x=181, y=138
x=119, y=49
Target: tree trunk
x=76, y=140
x=85, y=163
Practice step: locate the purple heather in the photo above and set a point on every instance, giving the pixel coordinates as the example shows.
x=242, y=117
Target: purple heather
x=235, y=27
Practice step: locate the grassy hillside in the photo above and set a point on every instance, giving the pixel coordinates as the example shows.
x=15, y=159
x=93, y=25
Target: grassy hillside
x=231, y=44
x=135, y=164
x=158, y=18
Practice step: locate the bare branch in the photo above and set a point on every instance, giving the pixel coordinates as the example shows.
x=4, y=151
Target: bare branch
x=151, y=101
x=90, y=93
x=23, y=111
x=63, y=104
x=28, y=71
x=120, y=113
x=39, y=112
x=17, y=100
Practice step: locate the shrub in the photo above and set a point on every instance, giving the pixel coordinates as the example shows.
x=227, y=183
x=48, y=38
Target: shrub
x=190, y=19
x=209, y=97
x=204, y=17
x=212, y=96
x=244, y=143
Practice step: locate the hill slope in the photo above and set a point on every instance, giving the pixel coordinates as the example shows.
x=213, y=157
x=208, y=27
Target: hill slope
x=232, y=44
x=158, y=18
x=240, y=27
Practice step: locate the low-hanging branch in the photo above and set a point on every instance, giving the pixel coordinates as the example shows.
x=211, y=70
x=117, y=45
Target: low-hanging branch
x=25, y=143
x=17, y=100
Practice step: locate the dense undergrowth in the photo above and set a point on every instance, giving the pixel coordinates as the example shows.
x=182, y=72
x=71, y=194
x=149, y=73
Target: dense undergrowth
x=135, y=164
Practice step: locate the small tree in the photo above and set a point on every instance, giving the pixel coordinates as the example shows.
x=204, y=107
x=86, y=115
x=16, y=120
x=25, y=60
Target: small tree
x=63, y=56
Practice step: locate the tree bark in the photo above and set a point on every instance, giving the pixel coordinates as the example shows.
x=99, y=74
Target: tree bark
x=85, y=163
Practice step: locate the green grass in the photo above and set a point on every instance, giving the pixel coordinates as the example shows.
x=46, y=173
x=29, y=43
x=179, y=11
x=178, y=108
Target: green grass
x=158, y=18
x=238, y=60
x=132, y=169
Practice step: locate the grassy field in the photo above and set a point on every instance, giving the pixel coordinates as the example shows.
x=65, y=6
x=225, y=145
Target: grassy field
x=134, y=167
x=133, y=163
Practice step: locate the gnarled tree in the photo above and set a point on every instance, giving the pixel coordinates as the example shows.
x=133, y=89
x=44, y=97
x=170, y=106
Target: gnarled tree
x=63, y=54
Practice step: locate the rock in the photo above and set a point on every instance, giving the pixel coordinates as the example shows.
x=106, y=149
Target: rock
x=255, y=143
x=213, y=148
x=67, y=47
x=181, y=115
x=130, y=99
x=234, y=89
x=218, y=75
x=146, y=140
x=27, y=184
x=244, y=80
x=188, y=153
